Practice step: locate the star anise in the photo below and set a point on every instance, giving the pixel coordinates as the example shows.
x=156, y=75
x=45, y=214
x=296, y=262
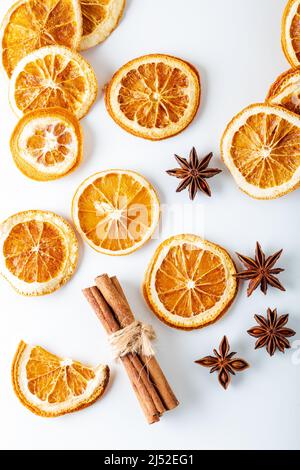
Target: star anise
x=194, y=173
x=260, y=271
x=223, y=363
x=271, y=332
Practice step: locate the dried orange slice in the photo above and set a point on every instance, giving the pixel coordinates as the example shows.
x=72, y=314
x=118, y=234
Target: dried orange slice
x=154, y=96
x=53, y=76
x=285, y=91
x=189, y=282
x=260, y=146
x=290, y=32
x=47, y=144
x=31, y=24
x=99, y=19
x=38, y=252
x=50, y=386
x=116, y=211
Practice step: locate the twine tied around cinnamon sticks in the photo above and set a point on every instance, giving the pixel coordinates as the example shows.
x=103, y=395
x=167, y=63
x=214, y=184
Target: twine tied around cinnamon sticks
x=135, y=338
x=149, y=383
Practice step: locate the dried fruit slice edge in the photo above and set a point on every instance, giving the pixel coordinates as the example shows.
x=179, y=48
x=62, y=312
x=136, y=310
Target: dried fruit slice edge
x=113, y=14
x=287, y=84
x=233, y=127
x=31, y=125
x=155, y=208
x=290, y=14
x=154, y=133
x=95, y=388
x=70, y=242
x=7, y=18
x=88, y=96
x=197, y=321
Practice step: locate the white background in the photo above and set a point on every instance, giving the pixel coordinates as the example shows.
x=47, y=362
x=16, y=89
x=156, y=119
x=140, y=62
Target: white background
x=235, y=44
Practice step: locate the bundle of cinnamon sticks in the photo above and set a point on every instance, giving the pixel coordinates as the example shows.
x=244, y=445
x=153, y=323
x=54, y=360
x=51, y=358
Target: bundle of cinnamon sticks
x=154, y=393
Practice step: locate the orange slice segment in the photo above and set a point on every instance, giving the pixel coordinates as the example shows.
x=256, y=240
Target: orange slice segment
x=50, y=386
x=154, y=96
x=53, y=76
x=116, y=211
x=261, y=148
x=285, y=91
x=38, y=252
x=47, y=144
x=99, y=19
x=31, y=24
x=189, y=282
x=290, y=32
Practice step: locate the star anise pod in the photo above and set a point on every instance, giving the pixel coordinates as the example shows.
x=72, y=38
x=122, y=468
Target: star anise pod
x=223, y=363
x=271, y=332
x=194, y=173
x=260, y=271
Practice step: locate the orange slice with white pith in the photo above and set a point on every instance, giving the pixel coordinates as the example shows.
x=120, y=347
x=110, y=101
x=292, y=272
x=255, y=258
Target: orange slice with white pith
x=290, y=32
x=99, y=19
x=38, y=252
x=53, y=76
x=31, y=24
x=260, y=147
x=154, y=96
x=51, y=386
x=285, y=91
x=47, y=144
x=189, y=282
x=116, y=211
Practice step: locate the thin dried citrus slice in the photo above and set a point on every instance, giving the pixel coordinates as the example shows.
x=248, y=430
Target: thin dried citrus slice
x=285, y=91
x=290, y=32
x=50, y=386
x=53, y=76
x=31, y=24
x=47, y=144
x=189, y=282
x=154, y=96
x=38, y=252
x=116, y=211
x=261, y=148
x=99, y=19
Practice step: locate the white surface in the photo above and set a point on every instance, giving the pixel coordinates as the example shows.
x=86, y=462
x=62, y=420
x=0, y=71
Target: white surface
x=236, y=46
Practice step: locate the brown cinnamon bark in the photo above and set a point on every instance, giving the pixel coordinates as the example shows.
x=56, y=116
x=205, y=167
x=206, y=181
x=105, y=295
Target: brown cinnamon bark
x=143, y=395
x=152, y=365
x=115, y=300
x=102, y=309
x=133, y=368
x=110, y=287
x=111, y=326
x=148, y=381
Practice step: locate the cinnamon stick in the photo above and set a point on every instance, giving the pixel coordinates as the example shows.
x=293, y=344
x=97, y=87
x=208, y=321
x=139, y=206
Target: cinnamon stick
x=133, y=368
x=110, y=288
x=151, y=364
x=116, y=301
x=148, y=381
x=139, y=366
x=143, y=395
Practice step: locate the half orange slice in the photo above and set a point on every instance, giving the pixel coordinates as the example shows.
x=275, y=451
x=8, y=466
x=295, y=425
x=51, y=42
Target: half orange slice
x=31, y=24
x=260, y=146
x=50, y=386
x=189, y=282
x=47, y=144
x=155, y=96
